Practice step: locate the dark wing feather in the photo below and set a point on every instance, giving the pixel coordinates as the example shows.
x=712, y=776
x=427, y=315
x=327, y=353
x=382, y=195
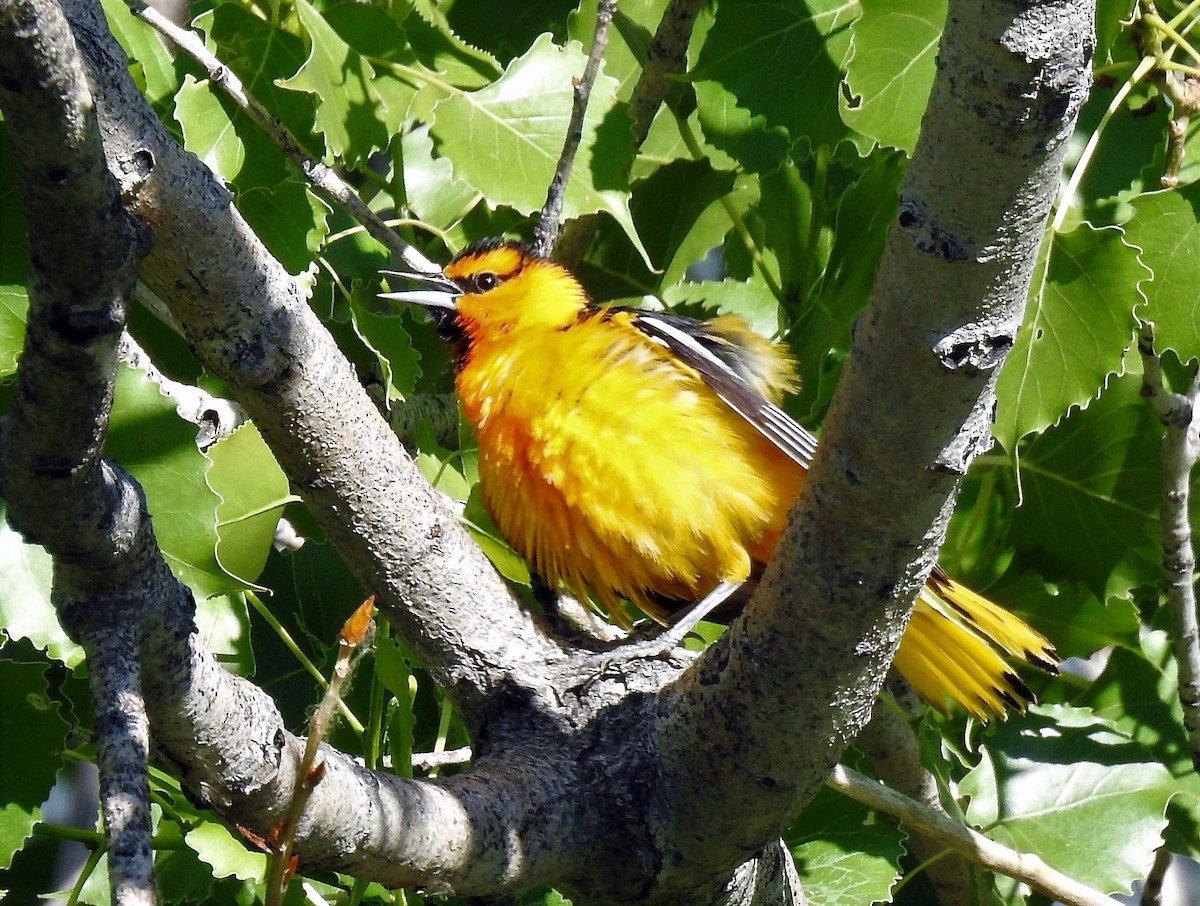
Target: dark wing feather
x=720, y=363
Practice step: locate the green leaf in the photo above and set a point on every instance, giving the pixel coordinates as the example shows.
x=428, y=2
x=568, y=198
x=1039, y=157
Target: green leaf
x=158, y=448
x=1078, y=324
x=14, y=262
x=782, y=62
x=395, y=672
x=160, y=76
x=846, y=853
x=749, y=299
x=1166, y=230
x=1060, y=769
x=432, y=192
x=253, y=491
x=505, y=139
x=36, y=734
x=351, y=111
x=260, y=52
x=1091, y=489
x=227, y=856
x=680, y=212
x=289, y=218
x=391, y=343
x=889, y=73
x=208, y=130
x=737, y=134
x=223, y=628
x=25, y=608
x=415, y=65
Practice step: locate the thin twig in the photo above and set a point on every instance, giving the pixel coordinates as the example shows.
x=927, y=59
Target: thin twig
x=1153, y=890
x=981, y=850
x=1180, y=448
x=546, y=231
x=122, y=737
x=311, y=770
x=664, y=56
x=317, y=173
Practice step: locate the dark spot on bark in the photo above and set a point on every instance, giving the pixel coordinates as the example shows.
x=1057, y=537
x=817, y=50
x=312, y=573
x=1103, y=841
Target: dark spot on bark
x=974, y=356
x=81, y=326
x=767, y=783
x=143, y=162
x=58, y=175
x=54, y=468
x=928, y=237
x=885, y=591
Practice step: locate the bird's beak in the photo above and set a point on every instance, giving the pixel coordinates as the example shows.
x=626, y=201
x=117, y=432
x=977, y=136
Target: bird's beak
x=437, y=290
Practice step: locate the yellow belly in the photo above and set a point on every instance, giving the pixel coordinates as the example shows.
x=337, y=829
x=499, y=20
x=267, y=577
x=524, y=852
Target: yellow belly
x=611, y=468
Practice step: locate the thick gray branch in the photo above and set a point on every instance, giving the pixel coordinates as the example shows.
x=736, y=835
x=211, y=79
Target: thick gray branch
x=913, y=407
x=83, y=252
x=249, y=322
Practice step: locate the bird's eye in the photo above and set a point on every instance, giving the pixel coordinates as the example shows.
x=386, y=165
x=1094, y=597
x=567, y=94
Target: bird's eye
x=484, y=281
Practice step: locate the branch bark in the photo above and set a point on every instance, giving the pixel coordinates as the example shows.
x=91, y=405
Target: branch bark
x=605, y=783
x=84, y=251
x=946, y=304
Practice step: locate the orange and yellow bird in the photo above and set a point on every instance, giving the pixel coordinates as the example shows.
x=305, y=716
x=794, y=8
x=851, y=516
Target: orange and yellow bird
x=643, y=456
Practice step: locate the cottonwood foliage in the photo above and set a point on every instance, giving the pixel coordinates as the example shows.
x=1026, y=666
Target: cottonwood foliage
x=782, y=148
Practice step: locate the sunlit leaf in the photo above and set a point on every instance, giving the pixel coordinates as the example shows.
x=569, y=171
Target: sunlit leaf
x=351, y=112
x=889, y=72
x=1078, y=324
x=846, y=853
x=506, y=139
x=1061, y=769
x=28, y=714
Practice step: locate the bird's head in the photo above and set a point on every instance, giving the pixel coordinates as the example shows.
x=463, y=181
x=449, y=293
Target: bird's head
x=493, y=288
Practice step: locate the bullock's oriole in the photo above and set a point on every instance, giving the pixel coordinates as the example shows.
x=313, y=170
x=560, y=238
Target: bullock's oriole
x=642, y=456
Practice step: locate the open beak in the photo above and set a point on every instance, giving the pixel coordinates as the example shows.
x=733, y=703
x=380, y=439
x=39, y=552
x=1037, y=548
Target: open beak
x=436, y=291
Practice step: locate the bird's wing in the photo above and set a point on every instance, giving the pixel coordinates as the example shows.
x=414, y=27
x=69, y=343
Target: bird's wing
x=722, y=363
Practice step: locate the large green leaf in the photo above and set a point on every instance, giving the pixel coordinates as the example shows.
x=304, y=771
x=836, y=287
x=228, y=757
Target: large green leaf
x=846, y=853
x=351, y=113
x=36, y=734
x=1078, y=324
x=25, y=608
x=1166, y=229
x=1059, y=770
x=158, y=448
x=680, y=212
x=782, y=62
x=1091, y=489
x=226, y=855
x=889, y=73
x=261, y=52
x=505, y=139
x=253, y=492
x=149, y=57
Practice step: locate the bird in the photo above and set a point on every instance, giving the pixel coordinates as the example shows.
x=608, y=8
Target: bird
x=641, y=456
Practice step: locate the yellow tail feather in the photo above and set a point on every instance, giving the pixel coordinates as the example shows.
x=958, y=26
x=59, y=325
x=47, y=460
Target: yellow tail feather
x=949, y=650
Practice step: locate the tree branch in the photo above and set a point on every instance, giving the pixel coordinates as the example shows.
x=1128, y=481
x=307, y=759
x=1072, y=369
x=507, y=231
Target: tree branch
x=1180, y=448
x=546, y=231
x=737, y=755
x=84, y=251
x=248, y=322
x=1024, y=867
